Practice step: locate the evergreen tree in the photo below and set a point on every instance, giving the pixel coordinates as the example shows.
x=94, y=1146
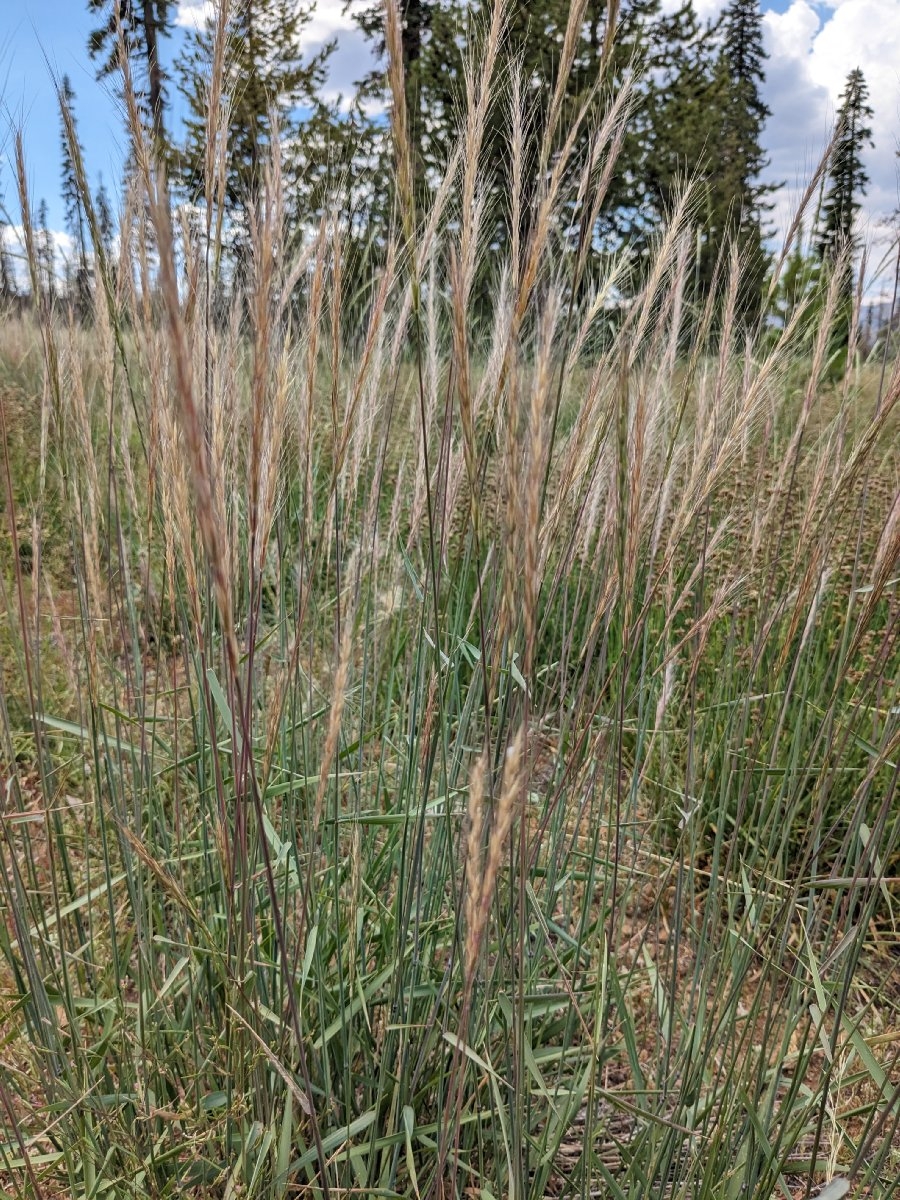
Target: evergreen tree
x=46, y=256
x=432, y=38
x=648, y=41
x=266, y=76
x=735, y=199
x=74, y=207
x=681, y=140
x=698, y=116
x=847, y=177
x=144, y=24
x=847, y=184
x=800, y=283
x=105, y=223
x=7, y=279
x=671, y=51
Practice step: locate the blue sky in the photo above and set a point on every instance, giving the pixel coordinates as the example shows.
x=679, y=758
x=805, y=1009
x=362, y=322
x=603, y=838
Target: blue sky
x=811, y=48
x=38, y=39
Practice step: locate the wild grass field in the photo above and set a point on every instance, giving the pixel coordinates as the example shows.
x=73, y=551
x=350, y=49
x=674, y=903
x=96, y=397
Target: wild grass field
x=439, y=762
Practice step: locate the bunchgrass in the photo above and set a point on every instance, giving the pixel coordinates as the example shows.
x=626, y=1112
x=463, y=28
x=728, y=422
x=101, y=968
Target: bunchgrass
x=438, y=763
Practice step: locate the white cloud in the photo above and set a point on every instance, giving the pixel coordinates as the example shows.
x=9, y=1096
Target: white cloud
x=327, y=17
x=706, y=10
x=193, y=14
x=812, y=48
x=13, y=237
x=798, y=130
x=352, y=56
x=327, y=20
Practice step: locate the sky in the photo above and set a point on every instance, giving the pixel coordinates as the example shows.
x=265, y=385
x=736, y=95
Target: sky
x=811, y=46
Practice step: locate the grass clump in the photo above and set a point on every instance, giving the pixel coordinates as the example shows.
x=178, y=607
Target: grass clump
x=442, y=767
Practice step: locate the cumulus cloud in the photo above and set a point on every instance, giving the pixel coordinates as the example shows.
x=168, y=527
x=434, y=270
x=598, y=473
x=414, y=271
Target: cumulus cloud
x=193, y=14
x=802, y=110
x=13, y=239
x=706, y=10
x=352, y=56
x=326, y=19
x=812, y=48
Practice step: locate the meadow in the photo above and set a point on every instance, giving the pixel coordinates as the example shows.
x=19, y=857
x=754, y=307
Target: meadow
x=443, y=759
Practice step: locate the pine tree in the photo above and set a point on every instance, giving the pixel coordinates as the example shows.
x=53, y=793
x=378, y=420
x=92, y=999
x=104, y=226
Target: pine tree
x=649, y=42
x=800, y=283
x=416, y=17
x=144, y=23
x=847, y=184
x=847, y=176
x=46, y=257
x=680, y=141
x=74, y=206
x=431, y=39
x=735, y=198
x=670, y=50
x=105, y=223
x=698, y=115
x=266, y=76
x=7, y=279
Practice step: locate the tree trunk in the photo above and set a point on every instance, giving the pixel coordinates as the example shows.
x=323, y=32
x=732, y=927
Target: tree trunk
x=414, y=17
x=154, y=73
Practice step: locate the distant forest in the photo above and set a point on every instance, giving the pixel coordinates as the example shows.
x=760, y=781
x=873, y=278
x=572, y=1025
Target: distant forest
x=690, y=95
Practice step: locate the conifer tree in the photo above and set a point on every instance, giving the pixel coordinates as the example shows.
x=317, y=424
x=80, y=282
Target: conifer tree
x=74, y=206
x=847, y=176
x=649, y=41
x=432, y=37
x=847, y=184
x=266, y=76
x=735, y=197
x=144, y=23
x=670, y=50
x=105, y=223
x=800, y=283
x=7, y=280
x=46, y=256
x=681, y=141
